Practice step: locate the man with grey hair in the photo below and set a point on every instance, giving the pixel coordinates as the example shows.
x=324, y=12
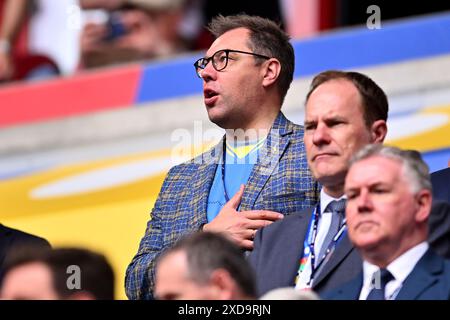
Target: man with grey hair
x=389, y=201
x=204, y=266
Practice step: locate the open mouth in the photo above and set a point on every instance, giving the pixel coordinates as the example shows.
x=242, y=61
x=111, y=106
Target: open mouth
x=210, y=96
x=209, y=93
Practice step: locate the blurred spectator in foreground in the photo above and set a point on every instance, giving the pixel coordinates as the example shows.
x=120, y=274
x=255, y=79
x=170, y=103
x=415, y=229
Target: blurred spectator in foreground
x=135, y=30
x=270, y=9
x=290, y=293
x=204, y=266
x=12, y=240
x=17, y=61
x=60, y=274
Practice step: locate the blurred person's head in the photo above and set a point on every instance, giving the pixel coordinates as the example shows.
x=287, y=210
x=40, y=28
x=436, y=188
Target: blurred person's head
x=289, y=293
x=388, y=202
x=163, y=5
x=101, y=4
x=204, y=266
x=145, y=4
x=59, y=274
x=344, y=111
x=164, y=17
x=246, y=72
x=135, y=30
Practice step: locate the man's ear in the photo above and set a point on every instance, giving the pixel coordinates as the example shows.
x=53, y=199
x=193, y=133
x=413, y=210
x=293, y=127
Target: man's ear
x=424, y=201
x=378, y=131
x=223, y=284
x=271, y=71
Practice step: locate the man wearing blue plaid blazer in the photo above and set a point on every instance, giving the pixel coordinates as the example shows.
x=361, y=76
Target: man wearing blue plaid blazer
x=246, y=74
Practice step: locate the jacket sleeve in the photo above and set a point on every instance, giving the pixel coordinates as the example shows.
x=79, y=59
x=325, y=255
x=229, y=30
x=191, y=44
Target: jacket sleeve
x=140, y=274
x=439, y=228
x=254, y=255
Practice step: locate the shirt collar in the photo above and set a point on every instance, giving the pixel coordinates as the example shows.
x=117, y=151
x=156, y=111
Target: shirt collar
x=325, y=200
x=401, y=267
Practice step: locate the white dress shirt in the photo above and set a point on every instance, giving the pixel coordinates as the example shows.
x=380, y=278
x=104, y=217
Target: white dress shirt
x=400, y=268
x=322, y=230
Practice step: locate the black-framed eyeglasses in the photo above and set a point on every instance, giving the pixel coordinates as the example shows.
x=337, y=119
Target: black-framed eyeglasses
x=220, y=60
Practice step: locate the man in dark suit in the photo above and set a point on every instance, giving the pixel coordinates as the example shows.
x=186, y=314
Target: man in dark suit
x=439, y=221
x=12, y=239
x=388, y=204
x=344, y=111
x=439, y=228
x=441, y=184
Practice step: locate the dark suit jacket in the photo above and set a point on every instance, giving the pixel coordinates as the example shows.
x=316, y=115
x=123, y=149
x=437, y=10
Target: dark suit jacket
x=441, y=184
x=11, y=239
x=439, y=226
x=429, y=280
x=279, y=247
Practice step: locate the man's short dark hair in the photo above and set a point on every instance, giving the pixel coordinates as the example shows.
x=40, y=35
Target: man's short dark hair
x=374, y=100
x=96, y=274
x=207, y=252
x=266, y=38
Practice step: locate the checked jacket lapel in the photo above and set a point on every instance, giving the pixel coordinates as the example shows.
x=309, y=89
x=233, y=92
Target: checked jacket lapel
x=270, y=154
x=201, y=184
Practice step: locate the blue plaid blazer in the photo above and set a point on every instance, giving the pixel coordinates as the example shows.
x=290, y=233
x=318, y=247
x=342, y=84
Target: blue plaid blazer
x=280, y=181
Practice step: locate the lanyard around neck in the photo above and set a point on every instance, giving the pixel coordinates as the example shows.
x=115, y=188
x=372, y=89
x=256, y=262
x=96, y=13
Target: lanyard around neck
x=310, y=241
